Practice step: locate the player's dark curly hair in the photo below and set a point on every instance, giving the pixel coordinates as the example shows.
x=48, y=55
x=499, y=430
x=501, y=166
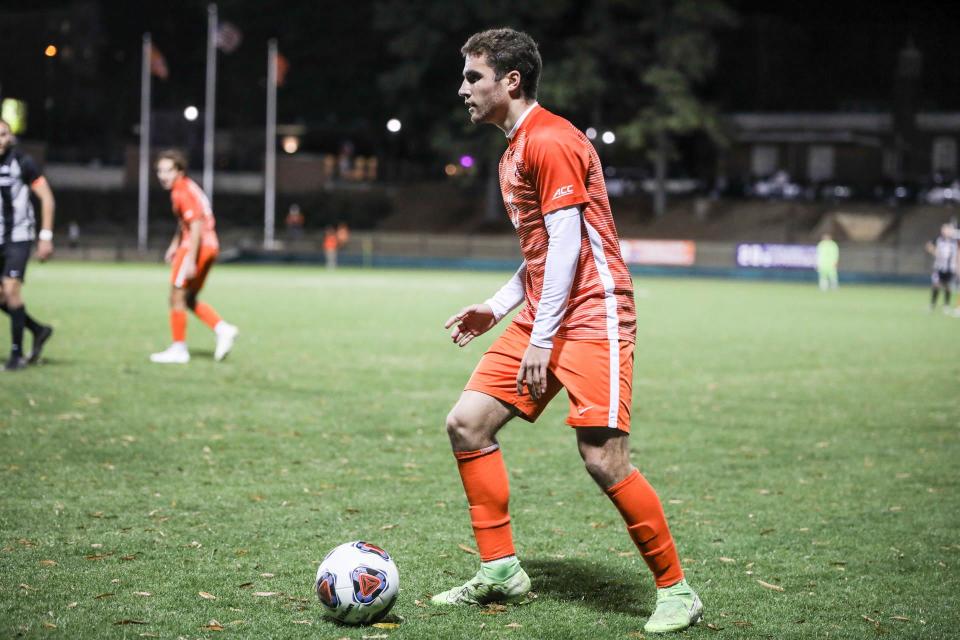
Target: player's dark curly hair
x=177, y=157
x=508, y=50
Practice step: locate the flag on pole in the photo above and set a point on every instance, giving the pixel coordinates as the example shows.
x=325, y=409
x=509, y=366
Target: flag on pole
x=158, y=64
x=283, y=65
x=229, y=37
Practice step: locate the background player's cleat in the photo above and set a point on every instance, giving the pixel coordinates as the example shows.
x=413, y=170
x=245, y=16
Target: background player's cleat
x=39, y=339
x=15, y=363
x=226, y=334
x=678, y=607
x=480, y=590
x=174, y=354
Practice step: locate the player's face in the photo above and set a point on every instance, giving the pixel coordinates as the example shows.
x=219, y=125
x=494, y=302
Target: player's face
x=486, y=98
x=167, y=172
x=6, y=138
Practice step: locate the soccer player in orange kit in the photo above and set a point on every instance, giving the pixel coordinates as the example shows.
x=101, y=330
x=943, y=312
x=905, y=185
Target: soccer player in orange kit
x=576, y=331
x=192, y=252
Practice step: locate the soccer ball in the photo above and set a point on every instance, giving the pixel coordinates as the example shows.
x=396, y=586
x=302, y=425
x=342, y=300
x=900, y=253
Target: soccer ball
x=357, y=583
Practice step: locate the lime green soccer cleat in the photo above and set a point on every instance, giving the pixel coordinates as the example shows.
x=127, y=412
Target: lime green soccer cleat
x=481, y=590
x=678, y=607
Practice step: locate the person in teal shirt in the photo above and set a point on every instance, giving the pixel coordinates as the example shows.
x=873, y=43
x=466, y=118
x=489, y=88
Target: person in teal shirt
x=828, y=257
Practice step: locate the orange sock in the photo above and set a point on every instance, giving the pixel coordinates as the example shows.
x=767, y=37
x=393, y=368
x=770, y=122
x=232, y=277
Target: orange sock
x=641, y=510
x=488, y=492
x=207, y=314
x=178, y=325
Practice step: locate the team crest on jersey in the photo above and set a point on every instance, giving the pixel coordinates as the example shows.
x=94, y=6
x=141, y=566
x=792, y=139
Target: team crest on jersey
x=368, y=583
x=513, y=211
x=327, y=590
x=366, y=547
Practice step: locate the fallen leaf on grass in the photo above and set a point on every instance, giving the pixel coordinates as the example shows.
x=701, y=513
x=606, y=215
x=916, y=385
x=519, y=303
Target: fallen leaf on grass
x=303, y=622
x=725, y=559
x=128, y=621
x=245, y=585
x=149, y=635
x=49, y=625
x=213, y=625
x=742, y=623
x=48, y=563
x=102, y=596
x=713, y=627
x=144, y=594
x=764, y=532
x=266, y=575
x=97, y=556
x=378, y=637
x=72, y=605
x=128, y=558
x=264, y=594
x=206, y=596
x=513, y=625
x=493, y=609
x=467, y=549
x=386, y=625
x=419, y=603
x=869, y=619
x=387, y=527
x=767, y=585
x=26, y=587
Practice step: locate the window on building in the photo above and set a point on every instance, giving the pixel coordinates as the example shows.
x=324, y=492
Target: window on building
x=820, y=163
x=764, y=160
x=944, y=156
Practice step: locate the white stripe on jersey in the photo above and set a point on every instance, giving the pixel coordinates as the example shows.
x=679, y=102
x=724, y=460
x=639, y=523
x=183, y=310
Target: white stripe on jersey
x=613, y=321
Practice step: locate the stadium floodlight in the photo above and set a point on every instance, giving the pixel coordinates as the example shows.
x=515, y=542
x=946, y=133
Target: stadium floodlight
x=393, y=125
x=191, y=113
x=591, y=133
x=609, y=137
x=50, y=51
x=466, y=161
x=290, y=144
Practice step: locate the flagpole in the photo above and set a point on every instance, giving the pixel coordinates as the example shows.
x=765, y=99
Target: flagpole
x=144, y=176
x=211, y=102
x=270, y=162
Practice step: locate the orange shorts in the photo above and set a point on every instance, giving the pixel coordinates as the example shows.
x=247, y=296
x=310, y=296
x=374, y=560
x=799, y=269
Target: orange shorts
x=597, y=374
x=205, y=260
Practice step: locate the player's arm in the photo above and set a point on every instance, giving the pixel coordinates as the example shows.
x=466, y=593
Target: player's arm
x=563, y=253
x=193, y=248
x=477, y=319
x=41, y=187
x=931, y=248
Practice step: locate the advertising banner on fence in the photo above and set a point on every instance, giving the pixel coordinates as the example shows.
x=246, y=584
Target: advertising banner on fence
x=777, y=256
x=679, y=253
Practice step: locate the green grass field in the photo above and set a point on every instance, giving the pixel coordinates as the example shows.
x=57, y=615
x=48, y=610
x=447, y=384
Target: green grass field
x=802, y=440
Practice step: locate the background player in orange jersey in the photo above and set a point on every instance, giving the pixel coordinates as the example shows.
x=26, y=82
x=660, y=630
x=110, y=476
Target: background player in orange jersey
x=192, y=252
x=576, y=331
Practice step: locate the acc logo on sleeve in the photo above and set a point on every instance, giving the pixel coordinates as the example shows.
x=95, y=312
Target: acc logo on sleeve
x=563, y=191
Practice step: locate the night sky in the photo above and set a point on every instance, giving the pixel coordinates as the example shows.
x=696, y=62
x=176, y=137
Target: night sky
x=793, y=56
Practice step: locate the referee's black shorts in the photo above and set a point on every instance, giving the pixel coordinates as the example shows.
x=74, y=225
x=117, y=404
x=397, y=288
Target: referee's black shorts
x=13, y=259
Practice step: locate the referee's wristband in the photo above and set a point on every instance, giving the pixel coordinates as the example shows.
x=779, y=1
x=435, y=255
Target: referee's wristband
x=45, y=234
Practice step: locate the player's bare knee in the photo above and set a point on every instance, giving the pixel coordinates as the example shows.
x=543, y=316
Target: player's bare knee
x=458, y=427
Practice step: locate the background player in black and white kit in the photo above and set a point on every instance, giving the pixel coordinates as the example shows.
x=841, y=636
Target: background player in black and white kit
x=944, y=252
x=20, y=178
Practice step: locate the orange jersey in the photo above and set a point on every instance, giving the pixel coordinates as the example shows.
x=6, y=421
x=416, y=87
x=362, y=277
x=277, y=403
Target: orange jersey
x=189, y=204
x=549, y=165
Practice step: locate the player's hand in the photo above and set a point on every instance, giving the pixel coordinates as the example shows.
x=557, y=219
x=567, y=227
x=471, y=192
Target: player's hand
x=533, y=371
x=189, y=268
x=469, y=323
x=44, y=249
x=168, y=256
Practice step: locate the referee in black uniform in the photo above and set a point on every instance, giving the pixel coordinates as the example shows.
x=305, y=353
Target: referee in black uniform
x=20, y=178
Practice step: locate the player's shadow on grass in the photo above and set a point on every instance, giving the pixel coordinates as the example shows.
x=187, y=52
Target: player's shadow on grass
x=576, y=580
